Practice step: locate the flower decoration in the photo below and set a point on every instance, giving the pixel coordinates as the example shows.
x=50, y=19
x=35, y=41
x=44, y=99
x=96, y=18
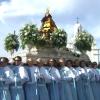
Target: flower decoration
x=59, y=38
x=28, y=35
x=84, y=42
x=11, y=43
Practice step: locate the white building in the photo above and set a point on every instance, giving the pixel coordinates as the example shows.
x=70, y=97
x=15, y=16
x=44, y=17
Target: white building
x=93, y=54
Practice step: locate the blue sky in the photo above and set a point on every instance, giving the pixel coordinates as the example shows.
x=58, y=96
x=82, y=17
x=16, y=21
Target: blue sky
x=15, y=13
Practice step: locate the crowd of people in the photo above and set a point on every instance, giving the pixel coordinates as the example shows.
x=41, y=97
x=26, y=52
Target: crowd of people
x=49, y=80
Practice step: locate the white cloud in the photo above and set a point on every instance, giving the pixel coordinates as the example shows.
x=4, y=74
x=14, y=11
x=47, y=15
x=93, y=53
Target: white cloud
x=96, y=32
x=31, y=7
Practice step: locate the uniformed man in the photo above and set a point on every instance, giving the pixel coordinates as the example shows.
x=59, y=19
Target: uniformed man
x=6, y=77
x=20, y=77
x=17, y=61
x=43, y=78
x=4, y=61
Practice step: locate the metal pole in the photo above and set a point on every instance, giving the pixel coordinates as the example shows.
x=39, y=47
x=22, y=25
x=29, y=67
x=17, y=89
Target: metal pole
x=98, y=55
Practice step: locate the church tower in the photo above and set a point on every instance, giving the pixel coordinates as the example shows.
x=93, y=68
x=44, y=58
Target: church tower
x=77, y=29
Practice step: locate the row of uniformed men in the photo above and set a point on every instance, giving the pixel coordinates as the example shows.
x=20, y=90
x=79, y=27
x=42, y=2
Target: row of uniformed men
x=39, y=82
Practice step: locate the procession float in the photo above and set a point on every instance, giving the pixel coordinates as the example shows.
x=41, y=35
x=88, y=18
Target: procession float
x=48, y=41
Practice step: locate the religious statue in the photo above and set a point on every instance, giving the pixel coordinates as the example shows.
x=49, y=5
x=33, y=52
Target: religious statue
x=48, y=25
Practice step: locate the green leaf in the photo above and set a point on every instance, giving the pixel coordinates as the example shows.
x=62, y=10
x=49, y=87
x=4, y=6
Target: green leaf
x=84, y=42
x=11, y=43
x=28, y=34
